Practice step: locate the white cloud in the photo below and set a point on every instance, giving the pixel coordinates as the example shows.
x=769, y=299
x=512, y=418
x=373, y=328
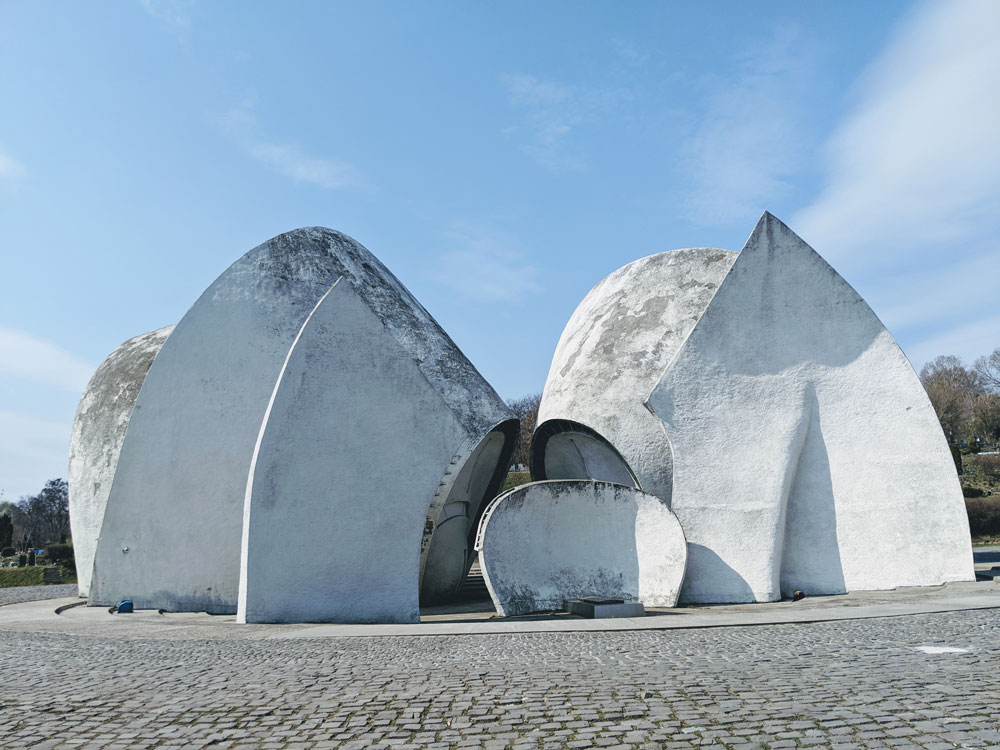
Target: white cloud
x=32, y=451
x=968, y=341
x=39, y=361
x=915, y=167
x=172, y=12
x=486, y=266
x=10, y=167
x=552, y=112
x=748, y=141
x=908, y=210
x=287, y=159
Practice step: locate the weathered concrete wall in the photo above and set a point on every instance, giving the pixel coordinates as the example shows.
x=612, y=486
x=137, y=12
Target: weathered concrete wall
x=543, y=543
x=96, y=440
x=173, y=527
x=611, y=354
x=806, y=453
x=354, y=446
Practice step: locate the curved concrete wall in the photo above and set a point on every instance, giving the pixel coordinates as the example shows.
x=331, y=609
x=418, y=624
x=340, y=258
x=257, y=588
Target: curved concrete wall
x=612, y=353
x=806, y=452
x=95, y=443
x=543, y=543
x=354, y=445
x=183, y=469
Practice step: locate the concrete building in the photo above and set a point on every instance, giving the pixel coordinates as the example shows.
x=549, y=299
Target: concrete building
x=807, y=455
x=173, y=528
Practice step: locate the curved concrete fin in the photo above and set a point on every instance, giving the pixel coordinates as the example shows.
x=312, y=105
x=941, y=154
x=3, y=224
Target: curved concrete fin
x=98, y=432
x=351, y=451
x=800, y=433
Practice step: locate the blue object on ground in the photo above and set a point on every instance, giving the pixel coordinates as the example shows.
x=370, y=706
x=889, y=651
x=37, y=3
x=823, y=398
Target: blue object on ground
x=124, y=607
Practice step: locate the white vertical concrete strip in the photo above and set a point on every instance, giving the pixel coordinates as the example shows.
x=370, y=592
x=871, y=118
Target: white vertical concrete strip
x=172, y=530
x=806, y=453
x=613, y=351
x=545, y=542
x=351, y=452
x=96, y=441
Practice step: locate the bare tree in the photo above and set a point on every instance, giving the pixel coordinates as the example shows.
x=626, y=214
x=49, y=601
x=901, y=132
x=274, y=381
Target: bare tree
x=988, y=369
x=953, y=390
x=47, y=513
x=526, y=410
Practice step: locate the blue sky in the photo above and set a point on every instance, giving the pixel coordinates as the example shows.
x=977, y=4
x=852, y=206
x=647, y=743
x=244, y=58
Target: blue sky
x=500, y=158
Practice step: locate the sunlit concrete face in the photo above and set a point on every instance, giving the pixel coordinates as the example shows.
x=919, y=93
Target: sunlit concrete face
x=611, y=354
x=806, y=453
x=99, y=427
x=357, y=447
x=173, y=529
x=547, y=542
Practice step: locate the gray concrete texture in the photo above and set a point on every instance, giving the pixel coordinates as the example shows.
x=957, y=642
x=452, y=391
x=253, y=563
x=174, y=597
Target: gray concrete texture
x=545, y=542
x=187, y=452
x=611, y=354
x=96, y=441
x=356, y=446
x=806, y=452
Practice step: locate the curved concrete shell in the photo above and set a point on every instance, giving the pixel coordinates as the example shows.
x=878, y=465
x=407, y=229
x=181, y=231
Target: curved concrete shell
x=543, y=543
x=611, y=354
x=356, y=444
x=96, y=441
x=173, y=526
x=806, y=453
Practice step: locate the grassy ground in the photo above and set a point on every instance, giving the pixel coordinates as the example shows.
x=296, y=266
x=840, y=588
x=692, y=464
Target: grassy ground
x=29, y=576
x=515, y=479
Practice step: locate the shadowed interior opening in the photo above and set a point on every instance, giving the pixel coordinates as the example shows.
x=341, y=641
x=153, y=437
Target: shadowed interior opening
x=563, y=449
x=452, y=545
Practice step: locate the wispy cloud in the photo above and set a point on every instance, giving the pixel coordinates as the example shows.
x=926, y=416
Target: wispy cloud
x=747, y=140
x=485, y=265
x=916, y=165
x=288, y=159
x=28, y=358
x=32, y=451
x=913, y=182
x=551, y=113
x=9, y=166
x=174, y=13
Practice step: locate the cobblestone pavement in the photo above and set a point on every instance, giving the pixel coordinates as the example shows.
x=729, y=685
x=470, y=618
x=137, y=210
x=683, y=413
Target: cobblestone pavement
x=859, y=683
x=19, y=594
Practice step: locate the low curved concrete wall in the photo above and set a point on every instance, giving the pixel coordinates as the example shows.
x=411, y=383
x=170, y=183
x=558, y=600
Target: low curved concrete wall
x=545, y=542
x=99, y=427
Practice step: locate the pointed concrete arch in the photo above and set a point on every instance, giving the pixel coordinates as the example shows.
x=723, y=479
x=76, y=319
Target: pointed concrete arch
x=96, y=441
x=806, y=452
x=356, y=444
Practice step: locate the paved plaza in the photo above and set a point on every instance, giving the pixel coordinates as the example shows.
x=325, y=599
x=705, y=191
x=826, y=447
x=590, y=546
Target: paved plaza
x=848, y=683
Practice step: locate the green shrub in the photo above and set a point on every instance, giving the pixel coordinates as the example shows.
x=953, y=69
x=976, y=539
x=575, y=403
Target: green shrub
x=31, y=576
x=984, y=516
x=57, y=552
x=972, y=491
x=515, y=479
x=956, y=456
x=7, y=552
